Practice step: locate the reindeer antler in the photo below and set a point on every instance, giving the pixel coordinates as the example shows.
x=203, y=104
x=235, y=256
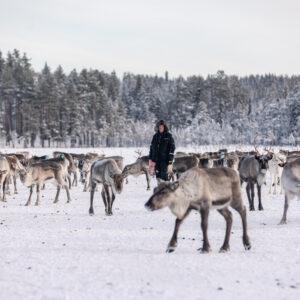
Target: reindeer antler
x=269, y=150
x=139, y=153
x=254, y=142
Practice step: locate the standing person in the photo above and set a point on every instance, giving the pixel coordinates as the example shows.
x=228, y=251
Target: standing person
x=161, y=152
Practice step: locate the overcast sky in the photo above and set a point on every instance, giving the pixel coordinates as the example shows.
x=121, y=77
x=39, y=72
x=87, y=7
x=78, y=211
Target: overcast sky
x=151, y=36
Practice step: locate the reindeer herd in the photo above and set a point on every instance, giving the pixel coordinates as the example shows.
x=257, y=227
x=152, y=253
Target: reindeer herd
x=199, y=181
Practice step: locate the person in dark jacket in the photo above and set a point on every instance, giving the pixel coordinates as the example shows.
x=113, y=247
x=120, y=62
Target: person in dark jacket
x=162, y=152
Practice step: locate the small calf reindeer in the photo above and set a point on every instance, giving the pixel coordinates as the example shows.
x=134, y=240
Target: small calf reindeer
x=201, y=190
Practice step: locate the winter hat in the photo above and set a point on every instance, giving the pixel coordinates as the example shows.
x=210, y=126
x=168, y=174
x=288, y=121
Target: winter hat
x=161, y=122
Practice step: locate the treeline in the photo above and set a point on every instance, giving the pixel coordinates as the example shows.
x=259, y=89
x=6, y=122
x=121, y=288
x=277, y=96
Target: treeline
x=92, y=108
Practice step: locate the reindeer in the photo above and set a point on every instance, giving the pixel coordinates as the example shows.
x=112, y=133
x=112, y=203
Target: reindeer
x=201, y=190
x=180, y=154
x=252, y=170
x=183, y=163
x=12, y=165
x=71, y=168
x=107, y=173
x=86, y=168
x=4, y=175
x=275, y=170
x=140, y=166
x=290, y=181
x=40, y=172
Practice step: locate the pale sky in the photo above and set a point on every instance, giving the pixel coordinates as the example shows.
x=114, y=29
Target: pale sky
x=184, y=37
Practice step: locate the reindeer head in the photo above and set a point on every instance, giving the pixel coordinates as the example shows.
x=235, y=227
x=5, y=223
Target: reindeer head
x=139, y=153
x=126, y=170
x=118, y=182
x=162, y=195
x=23, y=174
x=263, y=161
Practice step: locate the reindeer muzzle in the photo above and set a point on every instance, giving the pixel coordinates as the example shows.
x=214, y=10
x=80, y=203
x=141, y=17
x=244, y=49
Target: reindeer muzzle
x=149, y=206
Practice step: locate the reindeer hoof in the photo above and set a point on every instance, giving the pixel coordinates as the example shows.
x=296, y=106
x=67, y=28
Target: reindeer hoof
x=247, y=246
x=251, y=208
x=260, y=208
x=26, y=204
x=36, y=204
x=282, y=222
x=224, y=249
x=204, y=250
x=171, y=249
x=148, y=188
x=109, y=213
x=91, y=212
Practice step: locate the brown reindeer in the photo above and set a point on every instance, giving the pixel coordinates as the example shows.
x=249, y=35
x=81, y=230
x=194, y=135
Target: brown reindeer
x=201, y=190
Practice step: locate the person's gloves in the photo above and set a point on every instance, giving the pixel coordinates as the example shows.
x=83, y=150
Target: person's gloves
x=170, y=169
x=151, y=167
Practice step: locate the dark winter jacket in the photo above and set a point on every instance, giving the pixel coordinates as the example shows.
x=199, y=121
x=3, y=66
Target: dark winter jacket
x=162, y=148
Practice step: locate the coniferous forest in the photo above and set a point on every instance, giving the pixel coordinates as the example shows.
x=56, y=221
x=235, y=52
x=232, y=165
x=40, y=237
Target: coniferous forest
x=91, y=108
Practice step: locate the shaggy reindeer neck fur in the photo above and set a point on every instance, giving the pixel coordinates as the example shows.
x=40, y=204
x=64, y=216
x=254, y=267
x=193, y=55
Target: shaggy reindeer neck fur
x=186, y=193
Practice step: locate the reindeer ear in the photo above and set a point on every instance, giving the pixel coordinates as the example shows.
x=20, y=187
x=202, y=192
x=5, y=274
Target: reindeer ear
x=174, y=185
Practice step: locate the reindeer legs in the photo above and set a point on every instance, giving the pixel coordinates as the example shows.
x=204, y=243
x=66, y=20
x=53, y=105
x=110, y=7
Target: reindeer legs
x=148, y=180
x=249, y=196
x=15, y=183
x=38, y=194
x=93, y=187
x=204, y=224
x=105, y=200
x=226, y=213
x=260, y=207
x=108, y=199
x=30, y=195
x=173, y=242
x=57, y=194
x=286, y=206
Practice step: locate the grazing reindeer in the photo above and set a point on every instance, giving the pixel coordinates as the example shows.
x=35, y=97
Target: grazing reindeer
x=107, y=173
x=140, y=166
x=202, y=189
x=253, y=171
x=290, y=181
x=38, y=173
x=84, y=166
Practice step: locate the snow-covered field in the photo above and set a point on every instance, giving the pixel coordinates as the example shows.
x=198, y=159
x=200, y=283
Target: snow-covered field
x=58, y=251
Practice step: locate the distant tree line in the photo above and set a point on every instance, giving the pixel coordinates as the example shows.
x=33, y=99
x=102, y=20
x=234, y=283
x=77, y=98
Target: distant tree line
x=91, y=108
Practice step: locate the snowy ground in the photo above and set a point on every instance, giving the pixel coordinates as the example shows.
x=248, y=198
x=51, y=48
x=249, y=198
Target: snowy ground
x=60, y=252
